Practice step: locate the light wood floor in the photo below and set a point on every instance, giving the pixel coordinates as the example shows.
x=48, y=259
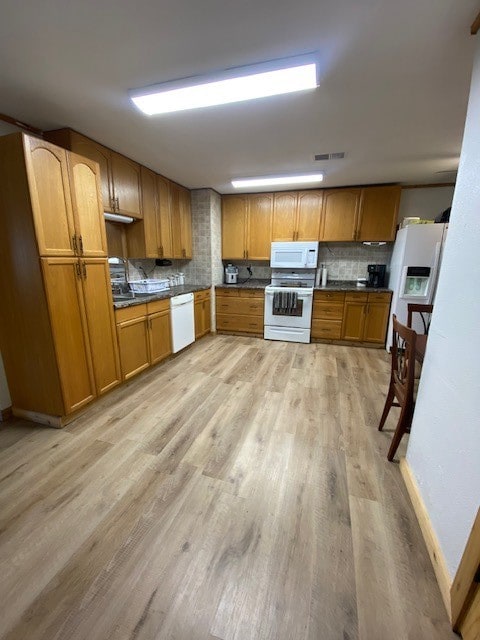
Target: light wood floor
x=239, y=491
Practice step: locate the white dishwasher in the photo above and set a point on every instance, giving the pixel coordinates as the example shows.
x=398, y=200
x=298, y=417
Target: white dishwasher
x=183, y=322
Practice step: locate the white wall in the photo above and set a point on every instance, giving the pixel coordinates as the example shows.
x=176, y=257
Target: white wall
x=444, y=447
x=4, y=393
x=425, y=203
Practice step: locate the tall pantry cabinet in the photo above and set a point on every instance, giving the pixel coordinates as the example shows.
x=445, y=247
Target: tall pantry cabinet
x=57, y=331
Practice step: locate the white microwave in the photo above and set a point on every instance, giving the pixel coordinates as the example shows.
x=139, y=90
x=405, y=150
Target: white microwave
x=294, y=255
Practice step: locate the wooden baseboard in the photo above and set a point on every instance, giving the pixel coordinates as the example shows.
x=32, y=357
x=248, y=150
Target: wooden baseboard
x=5, y=414
x=39, y=418
x=434, y=550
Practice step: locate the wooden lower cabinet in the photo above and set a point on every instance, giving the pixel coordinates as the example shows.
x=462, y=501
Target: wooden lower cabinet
x=327, y=315
x=240, y=310
x=134, y=346
x=352, y=316
x=202, y=313
x=366, y=317
x=160, y=336
x=144, y=336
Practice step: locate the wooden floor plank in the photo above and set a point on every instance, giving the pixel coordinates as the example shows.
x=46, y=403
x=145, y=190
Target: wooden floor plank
x=239, y=490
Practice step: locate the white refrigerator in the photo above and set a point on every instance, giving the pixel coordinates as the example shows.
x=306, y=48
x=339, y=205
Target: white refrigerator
x=414, y=269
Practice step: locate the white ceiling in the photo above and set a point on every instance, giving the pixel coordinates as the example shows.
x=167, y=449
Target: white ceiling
x=394, y=83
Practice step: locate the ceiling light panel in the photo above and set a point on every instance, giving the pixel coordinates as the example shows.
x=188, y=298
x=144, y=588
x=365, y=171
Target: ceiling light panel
x=235, y=85
x=267, y=181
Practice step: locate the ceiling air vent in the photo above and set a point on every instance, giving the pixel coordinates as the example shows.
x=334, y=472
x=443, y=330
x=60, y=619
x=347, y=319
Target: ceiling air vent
x=339, y=155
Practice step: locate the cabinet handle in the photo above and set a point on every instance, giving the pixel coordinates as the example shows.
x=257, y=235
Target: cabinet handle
x=160, y=251
x=80, y=244
x=184, y=253
x=77, y=270
x=244, y=253
x=247, y=253
x=112, y=203
x=84, y=269
x=74, y=244
x=117, y=204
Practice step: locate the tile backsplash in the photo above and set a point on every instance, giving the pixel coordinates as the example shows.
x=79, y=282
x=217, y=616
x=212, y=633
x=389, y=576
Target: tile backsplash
x=344, y=260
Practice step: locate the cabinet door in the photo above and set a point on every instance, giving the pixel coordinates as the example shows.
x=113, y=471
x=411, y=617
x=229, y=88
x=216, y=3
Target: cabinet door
x=47, y=172
x=378, y=213
x=63, y=285
x=234, y=215
x=339, y=214
x=176, y=217
x=126, y=185
x=160, y=336
x=101, y=323
x=376, y=320
x=142, y=236
x=164, y=228
x=133, y=341
x=199, y=319
x=259, y=226
x=116, y=239
x=207, y=315
x=309, y=212
x=101, y=155
x=284, y=217
x=186, y=222
x=91, y=236
x=353, y=321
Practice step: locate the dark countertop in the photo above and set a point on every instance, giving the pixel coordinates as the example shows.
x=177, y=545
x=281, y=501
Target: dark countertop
x=350, y=285
x=161, y=295
x=253, y=283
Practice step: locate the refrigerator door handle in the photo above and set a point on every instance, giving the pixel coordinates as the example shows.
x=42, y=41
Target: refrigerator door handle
x=435, y=271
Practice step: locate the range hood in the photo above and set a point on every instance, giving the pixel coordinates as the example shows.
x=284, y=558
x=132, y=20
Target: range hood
x=115, y=217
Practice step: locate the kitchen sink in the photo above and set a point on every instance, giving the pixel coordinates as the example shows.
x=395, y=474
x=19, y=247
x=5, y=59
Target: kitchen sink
x=120, y=297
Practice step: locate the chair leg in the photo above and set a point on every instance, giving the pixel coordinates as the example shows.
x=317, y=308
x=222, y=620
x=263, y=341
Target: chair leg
x=404, y=423
x=386, y=408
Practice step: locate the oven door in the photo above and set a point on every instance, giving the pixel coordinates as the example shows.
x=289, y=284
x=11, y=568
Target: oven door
x=300, y=317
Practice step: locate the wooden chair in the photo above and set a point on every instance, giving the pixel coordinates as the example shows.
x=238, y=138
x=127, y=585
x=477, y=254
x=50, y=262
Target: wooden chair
x=425, y=311
x=402, y=382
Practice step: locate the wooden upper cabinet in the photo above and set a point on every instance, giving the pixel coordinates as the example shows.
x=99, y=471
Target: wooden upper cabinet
x=234, y=216
x=284, y=216
x=90, y=238
x=186, y=222
x=126, y=185
x=143, y=236
x=48, y=179
x=378, y=213
x=63, y=285
x=339, y=214
x=164, y=230
x=259, y=227
x=176, y=221
x=309, y=211
x=100, y=323
x=90, y=149
x=120, y=176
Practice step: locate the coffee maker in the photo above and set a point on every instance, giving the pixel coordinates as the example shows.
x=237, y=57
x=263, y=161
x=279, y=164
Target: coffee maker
x=376, y=275
x=231, y=274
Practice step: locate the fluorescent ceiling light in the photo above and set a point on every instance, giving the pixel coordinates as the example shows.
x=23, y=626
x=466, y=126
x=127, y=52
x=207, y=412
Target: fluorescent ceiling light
x=234, y=85
x=277, y=180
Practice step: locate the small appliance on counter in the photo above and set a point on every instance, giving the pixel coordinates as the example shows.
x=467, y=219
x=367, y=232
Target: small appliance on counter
x=231, y=274
x=376, y=275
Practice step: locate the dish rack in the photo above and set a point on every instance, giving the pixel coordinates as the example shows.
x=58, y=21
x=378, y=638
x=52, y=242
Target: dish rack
x=149, y=286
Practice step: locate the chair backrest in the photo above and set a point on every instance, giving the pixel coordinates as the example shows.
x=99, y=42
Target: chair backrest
x=425, y=311
x=403, y=361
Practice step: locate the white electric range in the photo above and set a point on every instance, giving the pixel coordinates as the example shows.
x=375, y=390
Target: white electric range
x=288, y=305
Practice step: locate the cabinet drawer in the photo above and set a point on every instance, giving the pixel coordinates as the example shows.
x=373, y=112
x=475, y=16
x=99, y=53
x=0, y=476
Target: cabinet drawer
x=352, y=296
x=328, y=296
x=247, y=324
x=383, y=296
x=327, y=329
x=252, y=293
x=158, y=305
x=128, y=313
x=328, y=310
x=242, y=306
x=201, y=295
x=223, y=291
